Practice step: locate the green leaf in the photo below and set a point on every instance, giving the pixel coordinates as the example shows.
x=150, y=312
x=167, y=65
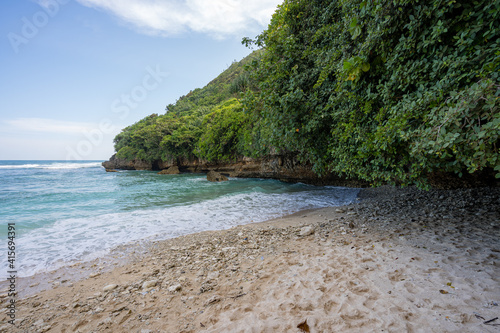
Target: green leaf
x=347, y=65
x=354, y=23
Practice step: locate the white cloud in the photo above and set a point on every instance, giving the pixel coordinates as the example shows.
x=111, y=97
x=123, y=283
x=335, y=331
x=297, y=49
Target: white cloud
x=218, y=18
x=48, y=126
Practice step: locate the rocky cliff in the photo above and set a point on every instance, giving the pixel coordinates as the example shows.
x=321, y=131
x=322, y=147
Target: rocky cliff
x=281, y=167
x=287, y=168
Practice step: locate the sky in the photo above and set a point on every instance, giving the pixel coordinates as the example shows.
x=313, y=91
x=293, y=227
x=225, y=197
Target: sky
x=73, y=73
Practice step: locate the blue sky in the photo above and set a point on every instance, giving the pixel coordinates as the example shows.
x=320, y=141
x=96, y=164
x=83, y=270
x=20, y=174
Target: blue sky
x=73, y=73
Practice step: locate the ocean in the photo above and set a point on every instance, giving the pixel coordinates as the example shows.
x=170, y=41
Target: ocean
x=64, y=212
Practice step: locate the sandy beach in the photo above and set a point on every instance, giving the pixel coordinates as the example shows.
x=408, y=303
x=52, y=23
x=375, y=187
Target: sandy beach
x=399, y=260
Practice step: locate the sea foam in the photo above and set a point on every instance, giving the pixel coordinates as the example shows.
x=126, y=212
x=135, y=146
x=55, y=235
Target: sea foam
x=74, y=239
x=53, y=166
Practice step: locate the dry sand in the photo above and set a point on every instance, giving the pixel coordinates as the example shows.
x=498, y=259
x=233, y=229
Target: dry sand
x=398, y=261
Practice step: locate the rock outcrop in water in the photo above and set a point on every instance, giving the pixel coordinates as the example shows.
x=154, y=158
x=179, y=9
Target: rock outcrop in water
x=214, y=176
x=282, y=167
x=123, y=164
x=287, y=168
x=173, y=170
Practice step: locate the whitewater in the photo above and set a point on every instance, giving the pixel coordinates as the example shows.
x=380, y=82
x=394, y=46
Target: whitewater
x=75, y=211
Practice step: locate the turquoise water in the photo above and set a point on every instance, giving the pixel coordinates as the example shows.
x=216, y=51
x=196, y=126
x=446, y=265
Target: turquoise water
x=68, y=211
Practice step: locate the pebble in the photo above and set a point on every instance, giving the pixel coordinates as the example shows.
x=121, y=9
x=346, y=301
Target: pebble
x=175, y=288
x=213, y=275
x=109, y=287
x=149, y=284
x=306, y=231
x=39, y=322
x=44, y=328
x=212, y=300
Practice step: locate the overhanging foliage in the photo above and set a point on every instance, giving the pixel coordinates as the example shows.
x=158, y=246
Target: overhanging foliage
x=385, y=91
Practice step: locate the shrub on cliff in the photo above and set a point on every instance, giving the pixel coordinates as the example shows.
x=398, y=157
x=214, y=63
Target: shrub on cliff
x=223, y=132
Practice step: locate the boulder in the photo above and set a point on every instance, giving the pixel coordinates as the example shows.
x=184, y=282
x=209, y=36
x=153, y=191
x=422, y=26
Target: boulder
x=173, y=170
x=216, y=177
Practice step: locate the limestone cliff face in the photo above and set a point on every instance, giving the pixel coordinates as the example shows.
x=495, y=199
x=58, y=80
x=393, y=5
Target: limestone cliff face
x=122, y=164
x=281, y=167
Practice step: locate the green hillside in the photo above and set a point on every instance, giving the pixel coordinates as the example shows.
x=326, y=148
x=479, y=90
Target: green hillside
x=207, y=123
x=377, y=90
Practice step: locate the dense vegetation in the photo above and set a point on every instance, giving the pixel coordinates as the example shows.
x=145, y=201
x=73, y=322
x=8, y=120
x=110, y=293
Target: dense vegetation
x=379, y=90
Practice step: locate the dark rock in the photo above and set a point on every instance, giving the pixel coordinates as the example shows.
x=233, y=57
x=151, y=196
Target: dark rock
x=448, y=180
x=216, y=177
x=163, y=165
x=173, y=170
x=123, y=164
x=303, y=326
x=142, y=165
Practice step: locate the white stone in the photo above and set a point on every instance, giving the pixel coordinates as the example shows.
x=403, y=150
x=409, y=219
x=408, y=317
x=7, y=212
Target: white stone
x=175, y=288
x=149, y=284
x=109, y=287
x=213, y=275
x=306, y=231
